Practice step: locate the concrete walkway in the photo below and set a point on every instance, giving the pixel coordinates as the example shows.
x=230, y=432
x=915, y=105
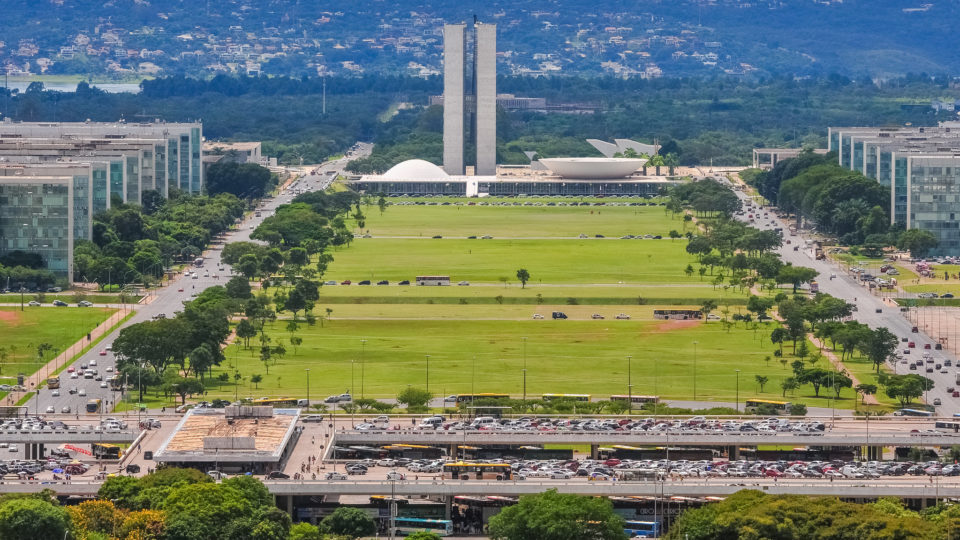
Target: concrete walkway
x=837, y=363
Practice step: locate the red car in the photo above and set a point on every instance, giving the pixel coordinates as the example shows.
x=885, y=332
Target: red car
x=612, y=462
x=926, y=345
x=346, y=282
x=911, y=345
x=180, y=289
x=103, y=353
x=772, y=473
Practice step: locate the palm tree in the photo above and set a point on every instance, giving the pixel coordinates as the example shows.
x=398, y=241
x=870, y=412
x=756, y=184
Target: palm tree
x=671, y=161
x=657, y=161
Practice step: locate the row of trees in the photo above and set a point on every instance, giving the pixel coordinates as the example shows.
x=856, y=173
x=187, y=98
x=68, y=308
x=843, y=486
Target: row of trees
x=132, y=243
x=173, y=504
x=845, y=203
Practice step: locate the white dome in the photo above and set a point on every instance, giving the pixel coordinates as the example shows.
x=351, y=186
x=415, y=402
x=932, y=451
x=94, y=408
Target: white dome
x=593, y=168
x=415, y=169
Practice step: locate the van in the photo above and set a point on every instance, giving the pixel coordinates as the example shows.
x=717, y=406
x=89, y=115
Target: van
x=303, y=403
x=483, y=421
x=559, y=315
x=432, y=422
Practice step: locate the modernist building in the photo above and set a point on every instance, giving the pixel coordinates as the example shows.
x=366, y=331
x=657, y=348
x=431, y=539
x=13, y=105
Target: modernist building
x=46, y=167
x=921, y=168
x=470, y=98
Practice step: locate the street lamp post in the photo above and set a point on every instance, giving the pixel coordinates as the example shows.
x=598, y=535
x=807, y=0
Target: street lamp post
x=363, y=349
x=695, y=370
x=629, y=384
x=351, y=377
x=308, y=388
x=524, y=367
x=737, y=404
x=428, y=372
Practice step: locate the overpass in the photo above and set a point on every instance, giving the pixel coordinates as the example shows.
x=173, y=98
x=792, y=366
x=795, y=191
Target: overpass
x=834, y=437
x=905, y=487
x=82, y=436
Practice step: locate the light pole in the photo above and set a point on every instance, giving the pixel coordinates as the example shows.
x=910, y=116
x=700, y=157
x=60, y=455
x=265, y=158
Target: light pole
x=737, y=404
x=524, y=341
x=351, y=377
x=428, y=372
x=363, y=349
x=308, y=388
x=629, y=384
x=695, y=370
x=656, y=386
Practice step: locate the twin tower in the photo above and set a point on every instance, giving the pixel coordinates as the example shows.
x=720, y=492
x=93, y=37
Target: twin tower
x=470, y=97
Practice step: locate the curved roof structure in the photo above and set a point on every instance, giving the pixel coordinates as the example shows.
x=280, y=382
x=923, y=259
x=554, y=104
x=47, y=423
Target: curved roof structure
x=593, y=168
x=415, y=169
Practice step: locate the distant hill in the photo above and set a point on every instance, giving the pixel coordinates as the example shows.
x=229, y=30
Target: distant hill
x=629, y=38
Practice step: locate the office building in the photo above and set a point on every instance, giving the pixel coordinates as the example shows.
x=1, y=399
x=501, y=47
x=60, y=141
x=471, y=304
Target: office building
x=921, y=168
x=470, y=116
x=54, y=177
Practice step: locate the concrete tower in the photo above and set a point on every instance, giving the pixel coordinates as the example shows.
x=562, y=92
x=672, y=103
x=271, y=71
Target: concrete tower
x=453, y=98
x=474, y=111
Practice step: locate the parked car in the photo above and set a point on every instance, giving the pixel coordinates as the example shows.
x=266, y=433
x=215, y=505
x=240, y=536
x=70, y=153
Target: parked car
x=596, y=316
x=537, y=316
x=346, y=282
x=34, y=303
x=404, y=282
x=383, y=282
x=59, y=303
x=623, y=316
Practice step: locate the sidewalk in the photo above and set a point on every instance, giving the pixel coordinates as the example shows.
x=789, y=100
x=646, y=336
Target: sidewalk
x=867, y=400
x=33, y=381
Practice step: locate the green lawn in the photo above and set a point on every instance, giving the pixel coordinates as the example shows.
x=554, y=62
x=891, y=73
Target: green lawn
x=936, y=288
x=48, y=298
x=548, y=261
x=521, y=221
x=572, y=356
x=23, y=331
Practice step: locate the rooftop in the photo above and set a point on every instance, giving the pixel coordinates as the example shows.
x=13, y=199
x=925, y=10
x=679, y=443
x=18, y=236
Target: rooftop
x=208, y=434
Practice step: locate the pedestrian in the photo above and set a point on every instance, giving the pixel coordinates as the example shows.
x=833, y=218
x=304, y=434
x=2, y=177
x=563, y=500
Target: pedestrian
x=313, y=440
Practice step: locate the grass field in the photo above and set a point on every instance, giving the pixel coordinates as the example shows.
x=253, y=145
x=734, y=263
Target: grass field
x=572, y=356
x=548, y=261
x=521, y=221
x=23, y=331
x=48, y=298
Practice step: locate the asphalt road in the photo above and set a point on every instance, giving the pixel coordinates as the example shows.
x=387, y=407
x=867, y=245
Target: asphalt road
x=170, y=298
x=871, y=310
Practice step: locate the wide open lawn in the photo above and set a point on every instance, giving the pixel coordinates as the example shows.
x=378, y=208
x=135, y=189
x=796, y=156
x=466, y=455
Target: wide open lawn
x=520, y=221
x=61, y=327
x=601, y=261
x=571, y=356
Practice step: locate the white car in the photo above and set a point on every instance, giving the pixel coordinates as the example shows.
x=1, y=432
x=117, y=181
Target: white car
x=51, y=409
x=394, y=475
x=82, y=392
x=537, y=316
x=334, y=476
x=55, y=393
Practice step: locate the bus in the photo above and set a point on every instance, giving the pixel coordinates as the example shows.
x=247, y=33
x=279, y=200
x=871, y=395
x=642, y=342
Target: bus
x=471, y=470
x=751, y=405
x=636, y=400
x=405, y=526
x=106, y=451
x=642, y=529
x=53, y=382
x=568, y=397
x=950, y=426
x=275, y=402
x=912, y=412
x=93, y=406
x=462, y=398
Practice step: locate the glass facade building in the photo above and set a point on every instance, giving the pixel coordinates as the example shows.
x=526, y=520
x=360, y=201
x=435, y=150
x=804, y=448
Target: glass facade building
x=36, y=215
x=56, y=176
x=921, y=168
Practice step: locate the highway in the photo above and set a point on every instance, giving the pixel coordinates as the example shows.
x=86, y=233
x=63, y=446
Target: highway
x=170, y=298
x=871, y=310
x=904, y=486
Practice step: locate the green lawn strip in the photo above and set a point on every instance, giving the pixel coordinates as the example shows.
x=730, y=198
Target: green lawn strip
x=572, y=356
x=25, y=399
x=427, y=201
x=48, y=298
x=939, y=288
x=24, y=330
x=928, y=302
x=452, y=310
x=548, y=261
x=522, y=221
x=546, y=300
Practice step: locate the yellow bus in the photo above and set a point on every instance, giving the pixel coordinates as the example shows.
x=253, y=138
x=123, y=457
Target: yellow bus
x=93, y=406
x=471, y=470
x=53, y=382
x=636, y=400
x=568, y=397
x=275, y=402
x=751, y=405
x=461, y=398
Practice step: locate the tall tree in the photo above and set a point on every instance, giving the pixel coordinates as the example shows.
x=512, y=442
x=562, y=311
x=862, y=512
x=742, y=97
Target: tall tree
x=555, y=516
